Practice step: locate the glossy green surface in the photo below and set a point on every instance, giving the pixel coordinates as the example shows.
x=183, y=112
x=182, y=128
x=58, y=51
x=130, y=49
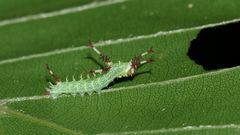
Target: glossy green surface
x=171, y=96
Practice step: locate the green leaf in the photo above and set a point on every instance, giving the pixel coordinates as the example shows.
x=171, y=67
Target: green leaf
x=120, y=20
x=12, y=8
x=172, y=95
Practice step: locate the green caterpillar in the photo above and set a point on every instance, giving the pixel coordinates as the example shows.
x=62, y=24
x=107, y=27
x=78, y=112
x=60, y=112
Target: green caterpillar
x=96, y=84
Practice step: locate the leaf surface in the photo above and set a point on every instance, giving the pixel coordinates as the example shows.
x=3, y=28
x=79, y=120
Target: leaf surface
x=13, y=8
x=170, y=96
x=125, y=19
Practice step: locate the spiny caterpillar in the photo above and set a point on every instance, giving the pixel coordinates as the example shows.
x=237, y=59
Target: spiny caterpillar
x=97, y=83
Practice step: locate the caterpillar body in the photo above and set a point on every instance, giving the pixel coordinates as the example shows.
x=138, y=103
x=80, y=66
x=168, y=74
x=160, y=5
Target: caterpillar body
x=110, y=72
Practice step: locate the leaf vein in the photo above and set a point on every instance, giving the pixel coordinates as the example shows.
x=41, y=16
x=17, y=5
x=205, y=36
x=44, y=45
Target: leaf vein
x=180, y=129
x=58, y=12
x=39, y=121
x=114, y=42
x=19, y=99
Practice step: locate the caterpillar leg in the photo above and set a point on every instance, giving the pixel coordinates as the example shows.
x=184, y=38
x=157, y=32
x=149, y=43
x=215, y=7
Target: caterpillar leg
x=105, y=58
x=135, y=62
x=100, y=71
x=55, y=77
x=145, y=53
x=146, y=61
x=96, y=71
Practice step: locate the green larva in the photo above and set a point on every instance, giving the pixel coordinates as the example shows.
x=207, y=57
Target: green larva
x=97, y=83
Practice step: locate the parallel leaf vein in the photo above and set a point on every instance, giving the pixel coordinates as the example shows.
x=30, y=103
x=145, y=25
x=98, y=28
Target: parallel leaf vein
x=58, y=12
x=181, y=129
x=114, y=42
x=39, y=121
x=19, y=99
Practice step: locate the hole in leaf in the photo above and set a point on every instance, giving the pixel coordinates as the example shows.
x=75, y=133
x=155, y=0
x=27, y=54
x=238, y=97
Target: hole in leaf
x=217, y=47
